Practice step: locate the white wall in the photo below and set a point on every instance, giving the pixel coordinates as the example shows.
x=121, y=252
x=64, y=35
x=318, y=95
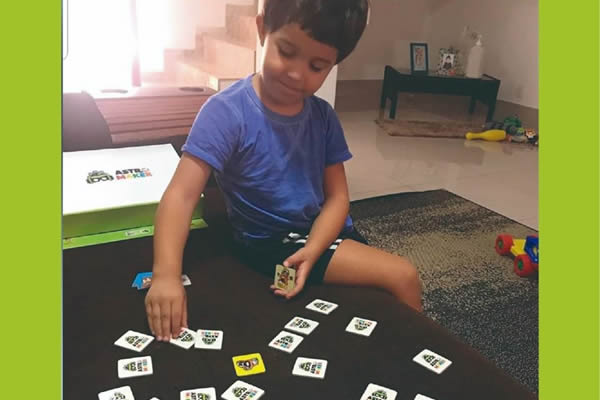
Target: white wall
x=510, y=38
x=328, y=89
x=386, y=40
x=509, y=27
x=98, y=57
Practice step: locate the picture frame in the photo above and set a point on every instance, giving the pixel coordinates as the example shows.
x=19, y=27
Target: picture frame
x=450, y=63
x=419, y=58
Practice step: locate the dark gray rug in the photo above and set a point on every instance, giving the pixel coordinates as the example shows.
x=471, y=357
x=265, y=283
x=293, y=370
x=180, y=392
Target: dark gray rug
x=468, y=288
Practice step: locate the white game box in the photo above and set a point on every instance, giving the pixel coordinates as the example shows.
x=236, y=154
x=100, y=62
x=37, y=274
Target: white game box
x=112, y=194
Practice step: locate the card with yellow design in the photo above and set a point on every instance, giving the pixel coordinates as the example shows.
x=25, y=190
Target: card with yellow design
x=285, y=277
x=248, y=364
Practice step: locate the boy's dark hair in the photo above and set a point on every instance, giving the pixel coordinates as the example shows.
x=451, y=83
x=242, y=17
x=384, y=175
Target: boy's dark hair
x=337, y=23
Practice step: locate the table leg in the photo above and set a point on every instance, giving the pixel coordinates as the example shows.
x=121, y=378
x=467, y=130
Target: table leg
x=491, y=110
x=472, y=105
x=394, y=105
x=383, y=98
x=382, y=102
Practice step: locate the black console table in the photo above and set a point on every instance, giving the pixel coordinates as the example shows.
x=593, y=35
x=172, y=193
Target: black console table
x=484, y=89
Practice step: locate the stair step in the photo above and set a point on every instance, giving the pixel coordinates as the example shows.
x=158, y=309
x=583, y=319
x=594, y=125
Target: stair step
x=242, y=29
x=241, y=10
x=232, y=57
x=227, y=39
x=193, y=69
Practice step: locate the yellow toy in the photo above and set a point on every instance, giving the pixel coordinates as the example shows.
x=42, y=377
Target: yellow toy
x=492, y=135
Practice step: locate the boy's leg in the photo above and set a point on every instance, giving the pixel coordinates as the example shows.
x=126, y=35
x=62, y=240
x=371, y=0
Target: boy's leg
x=357, y=264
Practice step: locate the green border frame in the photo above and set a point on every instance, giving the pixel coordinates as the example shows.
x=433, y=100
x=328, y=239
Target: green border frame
x=31, y=179
x=569, y=217
x=124, y=234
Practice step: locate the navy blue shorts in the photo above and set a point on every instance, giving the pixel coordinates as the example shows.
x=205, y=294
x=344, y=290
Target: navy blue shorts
x=263, y=255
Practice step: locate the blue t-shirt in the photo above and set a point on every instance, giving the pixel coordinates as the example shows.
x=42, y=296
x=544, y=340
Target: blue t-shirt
x=270, y=167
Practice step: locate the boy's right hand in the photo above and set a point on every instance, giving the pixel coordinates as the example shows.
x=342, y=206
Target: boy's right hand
x=166, y=307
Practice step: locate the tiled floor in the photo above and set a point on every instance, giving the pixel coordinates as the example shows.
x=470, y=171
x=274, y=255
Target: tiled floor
x=500, y=176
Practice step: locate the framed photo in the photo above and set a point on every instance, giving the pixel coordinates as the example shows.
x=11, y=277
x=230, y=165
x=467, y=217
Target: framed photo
x=449, y=62
x=419, y=58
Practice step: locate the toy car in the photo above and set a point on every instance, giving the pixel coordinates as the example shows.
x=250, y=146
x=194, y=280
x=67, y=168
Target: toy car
x=525, y=252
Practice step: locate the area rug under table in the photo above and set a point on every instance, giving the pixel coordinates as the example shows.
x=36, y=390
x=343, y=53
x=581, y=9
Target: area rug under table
x=434, y=129
x=468, y=288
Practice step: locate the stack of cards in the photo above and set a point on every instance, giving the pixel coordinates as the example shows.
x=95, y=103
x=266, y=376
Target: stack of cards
x=121, y=393
x=132, y=367
x=248, y=364
x=322, y=306
x=286, y=341
x=198, y=394
x=310, y=367
x=301, y=325
x=143, y=280
x=186, y=338
x=285, y=277
x=242, y=390
x=135, y=341
x=208, y=339
x=376, y=392
x=432, y=361
x=361, y=326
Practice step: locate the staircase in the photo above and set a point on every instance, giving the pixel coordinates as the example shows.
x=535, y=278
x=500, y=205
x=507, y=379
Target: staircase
x=221, y=56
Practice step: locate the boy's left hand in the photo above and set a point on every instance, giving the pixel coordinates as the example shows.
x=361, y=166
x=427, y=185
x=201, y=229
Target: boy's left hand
x=303, y=260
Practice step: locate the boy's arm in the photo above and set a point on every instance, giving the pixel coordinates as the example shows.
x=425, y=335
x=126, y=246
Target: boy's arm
x=166, y=306
x=326, y=227
x=330, y=221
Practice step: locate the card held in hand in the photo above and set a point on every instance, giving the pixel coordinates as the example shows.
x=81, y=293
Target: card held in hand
x=285, y=277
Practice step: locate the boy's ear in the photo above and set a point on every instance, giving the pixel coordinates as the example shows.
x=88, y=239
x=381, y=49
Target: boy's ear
x=260, y=27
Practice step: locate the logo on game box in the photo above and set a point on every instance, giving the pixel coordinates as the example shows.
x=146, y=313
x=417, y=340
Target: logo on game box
x=132, y=173
x=121, y=174
x=98, y=176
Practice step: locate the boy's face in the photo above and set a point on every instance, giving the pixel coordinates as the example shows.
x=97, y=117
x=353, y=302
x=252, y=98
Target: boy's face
x=294, y=65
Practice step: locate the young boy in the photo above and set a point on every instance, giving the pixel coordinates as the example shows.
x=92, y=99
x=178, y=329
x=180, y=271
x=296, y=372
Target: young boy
x=277, y=153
